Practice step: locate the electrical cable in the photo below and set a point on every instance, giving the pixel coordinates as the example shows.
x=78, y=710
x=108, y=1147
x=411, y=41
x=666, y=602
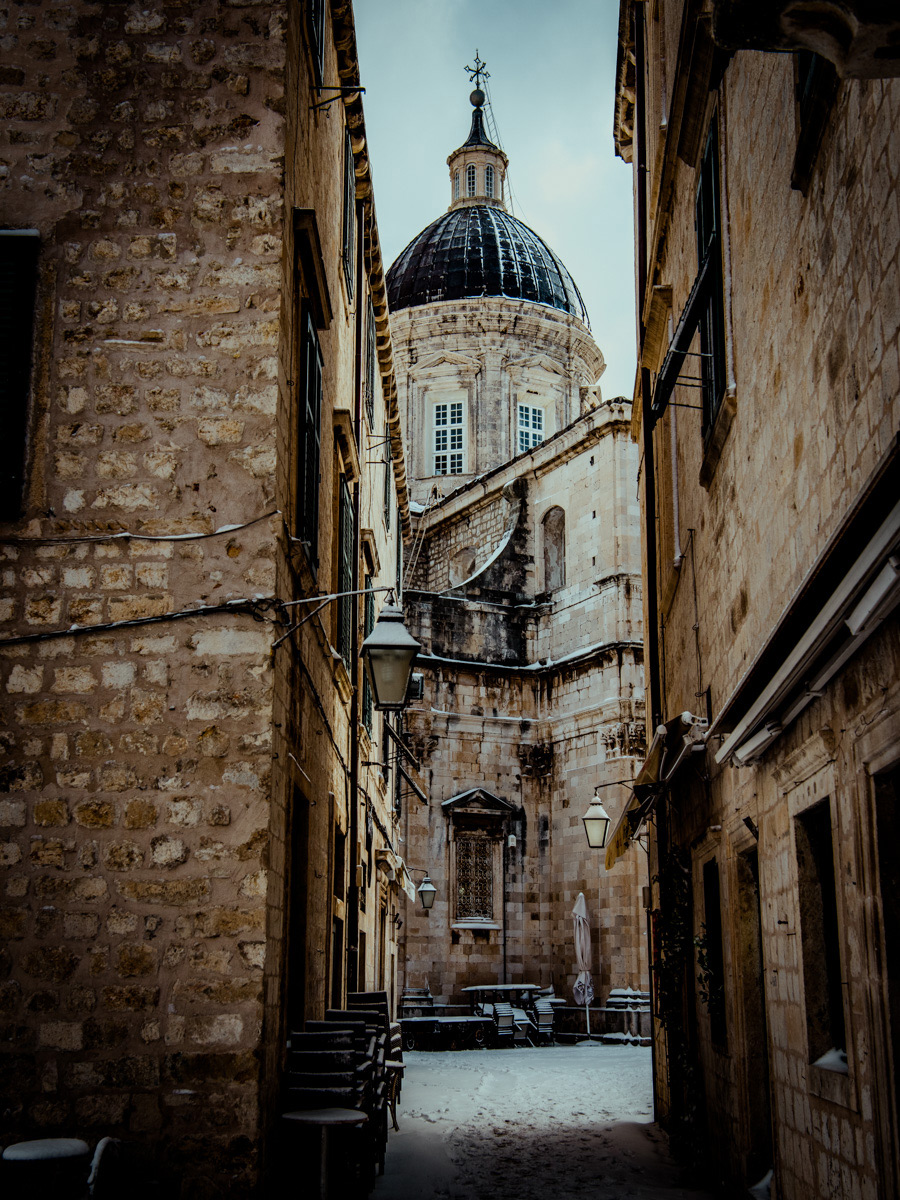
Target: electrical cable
x=128, y=535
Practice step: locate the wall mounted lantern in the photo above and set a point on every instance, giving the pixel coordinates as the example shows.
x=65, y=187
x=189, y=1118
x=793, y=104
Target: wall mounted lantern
x=596, y=824
x=427, y=892
x=389, y=652
x=426, y=889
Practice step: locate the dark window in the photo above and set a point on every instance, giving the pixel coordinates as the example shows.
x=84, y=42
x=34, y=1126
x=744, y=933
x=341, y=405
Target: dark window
x=18, y=279
x=388, y=476
x=315, y=13
x=310, y=434
x=712, y=963
x=816, y=83
x=820, y=935
x=371, y=363
x=340, y=862
x=709, y=247
x=369, y=626
x=349, y=213
x=346, y=604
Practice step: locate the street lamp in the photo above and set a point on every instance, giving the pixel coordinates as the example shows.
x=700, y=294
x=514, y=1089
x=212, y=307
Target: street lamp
x=389, y=652
x=596, y=824
x=427, y=892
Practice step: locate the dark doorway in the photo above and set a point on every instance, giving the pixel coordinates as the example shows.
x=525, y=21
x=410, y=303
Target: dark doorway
x=297, y=884
x=887, y=818
x=753, y=998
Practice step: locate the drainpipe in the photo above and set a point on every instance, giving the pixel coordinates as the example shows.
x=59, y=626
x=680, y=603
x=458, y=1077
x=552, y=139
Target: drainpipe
x=654, y=708
x=353, y=889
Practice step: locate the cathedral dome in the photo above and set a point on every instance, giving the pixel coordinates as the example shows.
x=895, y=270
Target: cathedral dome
x=480, y=250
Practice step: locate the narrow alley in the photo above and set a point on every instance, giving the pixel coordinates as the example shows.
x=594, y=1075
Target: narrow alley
x=571, y=1122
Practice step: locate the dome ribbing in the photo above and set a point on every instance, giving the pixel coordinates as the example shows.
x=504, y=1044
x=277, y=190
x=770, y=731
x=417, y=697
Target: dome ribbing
x=480, y=250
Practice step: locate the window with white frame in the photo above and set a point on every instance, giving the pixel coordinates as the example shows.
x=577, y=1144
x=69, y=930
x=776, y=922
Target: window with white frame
x=530, y=426
x=449, y=438
x=489, y=182
x=456, y=186
x=471, y=179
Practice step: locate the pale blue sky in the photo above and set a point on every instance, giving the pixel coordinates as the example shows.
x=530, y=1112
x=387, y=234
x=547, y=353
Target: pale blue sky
x=552, y=88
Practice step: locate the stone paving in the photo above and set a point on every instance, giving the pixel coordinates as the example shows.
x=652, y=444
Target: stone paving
x=571, y=1122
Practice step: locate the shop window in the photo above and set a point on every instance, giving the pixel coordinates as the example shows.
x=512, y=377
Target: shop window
x=18, y=286
x=709, y=249
x=449, y=438
x=820, y=937
x=309, y=440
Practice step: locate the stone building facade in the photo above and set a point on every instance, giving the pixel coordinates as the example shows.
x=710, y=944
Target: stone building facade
x=522, y=586
x=203, y=434
x=768, y=240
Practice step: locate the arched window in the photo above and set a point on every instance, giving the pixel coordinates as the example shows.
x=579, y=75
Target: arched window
x=456, y=186
x=489, y=182
x=470, y=179
x=553, y=530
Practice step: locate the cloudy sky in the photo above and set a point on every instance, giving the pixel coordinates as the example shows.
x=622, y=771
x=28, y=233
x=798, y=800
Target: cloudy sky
x=552, y=72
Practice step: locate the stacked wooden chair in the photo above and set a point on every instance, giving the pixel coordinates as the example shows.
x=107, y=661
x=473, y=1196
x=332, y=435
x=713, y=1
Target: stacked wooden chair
x=333, y=1090
x=543, y=1015
x=504, y=1022
x=378, y=1002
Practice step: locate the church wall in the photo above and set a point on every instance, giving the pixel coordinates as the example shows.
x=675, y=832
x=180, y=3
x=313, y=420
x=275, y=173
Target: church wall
x=491, y=349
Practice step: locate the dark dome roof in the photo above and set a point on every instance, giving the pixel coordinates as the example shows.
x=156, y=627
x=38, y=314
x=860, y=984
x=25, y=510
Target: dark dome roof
x=480, y=250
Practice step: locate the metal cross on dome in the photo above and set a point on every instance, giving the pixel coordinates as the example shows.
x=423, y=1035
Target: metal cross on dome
x=478, y=72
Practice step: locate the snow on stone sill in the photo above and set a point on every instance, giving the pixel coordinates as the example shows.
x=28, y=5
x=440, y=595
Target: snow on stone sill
x=833, y=1060
x=441, y=712
x=476, y=926
x=541, y=665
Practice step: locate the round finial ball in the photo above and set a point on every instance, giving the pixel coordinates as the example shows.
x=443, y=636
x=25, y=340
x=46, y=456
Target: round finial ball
x=477, y=98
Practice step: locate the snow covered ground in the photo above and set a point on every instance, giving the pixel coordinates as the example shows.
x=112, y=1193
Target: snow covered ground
x=555, y=1123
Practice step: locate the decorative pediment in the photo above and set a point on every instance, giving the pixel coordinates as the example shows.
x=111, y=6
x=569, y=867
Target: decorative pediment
x=477, y=802
x=537, y=362
x=444, y=363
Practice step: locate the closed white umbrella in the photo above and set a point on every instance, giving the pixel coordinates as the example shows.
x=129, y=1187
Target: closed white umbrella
x=584, y=989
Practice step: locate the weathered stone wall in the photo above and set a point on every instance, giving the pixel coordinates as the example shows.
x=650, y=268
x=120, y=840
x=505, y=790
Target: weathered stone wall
x=811, y=287
x=157, y=777
x=146, y=149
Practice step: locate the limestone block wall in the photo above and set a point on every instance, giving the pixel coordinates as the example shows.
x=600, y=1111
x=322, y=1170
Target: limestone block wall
x=145, y=148
x=812, y=406
x=171, y=787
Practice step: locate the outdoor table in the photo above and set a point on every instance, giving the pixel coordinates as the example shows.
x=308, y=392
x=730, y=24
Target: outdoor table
x=57, y=1164
x=324, y=1119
